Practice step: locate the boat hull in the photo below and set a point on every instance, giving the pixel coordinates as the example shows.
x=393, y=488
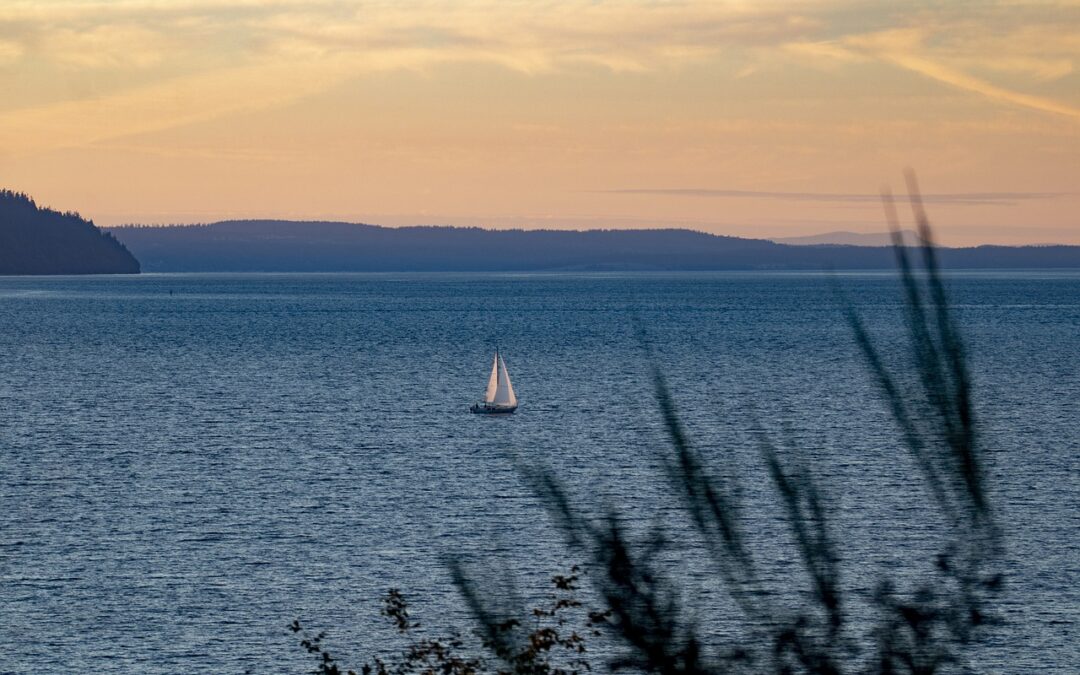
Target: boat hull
x=487, y=409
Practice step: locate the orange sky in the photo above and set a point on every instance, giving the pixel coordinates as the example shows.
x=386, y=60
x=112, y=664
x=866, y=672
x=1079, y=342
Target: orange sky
x=746, y=118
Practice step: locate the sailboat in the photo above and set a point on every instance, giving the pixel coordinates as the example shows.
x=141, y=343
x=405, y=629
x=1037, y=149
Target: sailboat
x=499, y=397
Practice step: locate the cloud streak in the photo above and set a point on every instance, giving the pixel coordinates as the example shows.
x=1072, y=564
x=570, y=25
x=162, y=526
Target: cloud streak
x=166, y=105
x=943, y=51
x=963, y=81
x=952, y=198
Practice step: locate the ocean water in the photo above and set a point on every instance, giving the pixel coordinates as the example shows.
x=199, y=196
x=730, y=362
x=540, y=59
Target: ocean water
x=189, y=462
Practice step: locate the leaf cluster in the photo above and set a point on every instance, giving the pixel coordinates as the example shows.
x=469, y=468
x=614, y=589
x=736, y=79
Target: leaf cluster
x=550, y=640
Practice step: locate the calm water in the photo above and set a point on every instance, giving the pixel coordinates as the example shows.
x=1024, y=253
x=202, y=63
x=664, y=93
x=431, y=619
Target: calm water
x=187, y=463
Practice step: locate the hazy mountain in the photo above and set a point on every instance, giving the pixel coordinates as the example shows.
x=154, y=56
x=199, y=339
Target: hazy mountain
x=909, y=237
x=289, y=246
x=36, y=240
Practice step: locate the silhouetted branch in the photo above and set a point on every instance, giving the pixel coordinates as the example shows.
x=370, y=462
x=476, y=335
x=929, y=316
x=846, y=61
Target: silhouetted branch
x=714, y=513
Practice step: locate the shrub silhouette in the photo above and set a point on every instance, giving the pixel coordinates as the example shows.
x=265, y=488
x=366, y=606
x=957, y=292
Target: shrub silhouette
x=923, y=629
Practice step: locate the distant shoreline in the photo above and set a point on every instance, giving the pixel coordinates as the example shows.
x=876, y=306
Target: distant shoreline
x=312, y=246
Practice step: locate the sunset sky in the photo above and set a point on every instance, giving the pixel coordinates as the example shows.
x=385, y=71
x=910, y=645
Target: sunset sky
x=746, y=118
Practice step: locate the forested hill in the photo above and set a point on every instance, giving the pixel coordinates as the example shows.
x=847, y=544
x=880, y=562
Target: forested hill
x=35, y=240
x=290, y=246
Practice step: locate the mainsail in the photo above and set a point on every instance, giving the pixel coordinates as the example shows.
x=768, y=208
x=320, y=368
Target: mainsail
x=499, y=396
x=504, y=391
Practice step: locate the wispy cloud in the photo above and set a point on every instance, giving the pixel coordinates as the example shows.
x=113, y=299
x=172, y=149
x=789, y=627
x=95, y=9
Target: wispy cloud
x=107, y=46
x=143, y=48
x=952, y=198
x=966, y=82
x=944, y=50
x=168, y=64
x=926, y=52
x=10, y=52
x=161, y=106
x=520, y=35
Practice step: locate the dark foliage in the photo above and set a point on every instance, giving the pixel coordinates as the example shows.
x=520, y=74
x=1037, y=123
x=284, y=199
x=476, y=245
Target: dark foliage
x=36, y=240
x=550, y=640
x=927, y=626
x=919, y=630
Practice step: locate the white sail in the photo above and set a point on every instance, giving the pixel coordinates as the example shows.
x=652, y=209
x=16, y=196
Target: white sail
x=504, y=391
x=493, y=381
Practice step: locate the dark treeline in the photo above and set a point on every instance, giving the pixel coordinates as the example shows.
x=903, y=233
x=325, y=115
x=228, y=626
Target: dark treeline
x=290, y=246
x=36, y=240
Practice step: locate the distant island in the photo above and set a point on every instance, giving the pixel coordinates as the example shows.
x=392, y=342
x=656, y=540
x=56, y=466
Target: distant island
x=36, y=240
x=292, y=246
x=909, y=237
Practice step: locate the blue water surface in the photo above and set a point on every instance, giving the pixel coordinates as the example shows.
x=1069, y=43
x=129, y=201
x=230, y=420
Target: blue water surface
x=189, y=462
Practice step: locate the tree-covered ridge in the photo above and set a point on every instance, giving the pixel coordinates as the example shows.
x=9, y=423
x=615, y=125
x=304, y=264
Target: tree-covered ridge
x=38, y=240
x=313, y=246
